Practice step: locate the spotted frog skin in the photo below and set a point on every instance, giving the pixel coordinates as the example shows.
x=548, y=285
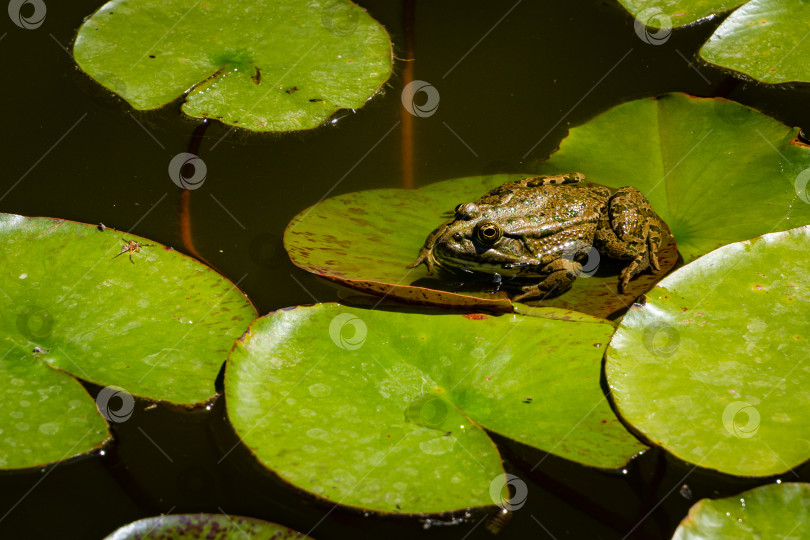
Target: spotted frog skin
x=542, y=228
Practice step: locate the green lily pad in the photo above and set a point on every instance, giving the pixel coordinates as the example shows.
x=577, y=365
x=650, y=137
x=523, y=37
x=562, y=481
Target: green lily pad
x=374, y=409
x=673, y=13
x=276, y=65
x=764, y=39
x=366, y=240
x=771, y=511
x=712, y=366
x=208, y=526
x=45, y=415
x=153, y=321
x=714, y=170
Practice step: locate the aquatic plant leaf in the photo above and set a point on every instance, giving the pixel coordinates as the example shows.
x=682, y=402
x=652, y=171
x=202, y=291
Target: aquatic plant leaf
x=375, y=409
x=208, y=526
x=770, y=511
x=152, y=321
x=270, y=66
x=712, y=365
x=366, y=240
x=714, y=170
x=765, y=40
x=45, y=415
x=668, y=13
x=761, y=39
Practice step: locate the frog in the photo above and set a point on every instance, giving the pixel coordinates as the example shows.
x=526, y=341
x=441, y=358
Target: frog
x=536, y=232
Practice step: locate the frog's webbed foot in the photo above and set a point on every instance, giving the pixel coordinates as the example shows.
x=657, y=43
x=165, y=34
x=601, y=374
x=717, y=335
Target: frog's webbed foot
x=562, y=274
x=630, y=230
x=425, y=256
x=426, y=253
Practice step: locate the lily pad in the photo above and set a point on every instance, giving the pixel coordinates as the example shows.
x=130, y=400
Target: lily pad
x=366, y=240
x=669, y=13
x=45, y=415
x=275, y=65
x=712, y=366
x=772, y=511
x=151, y=320
x=374, y=409
x=208, y=526
x=764, y=39
x=714, y=170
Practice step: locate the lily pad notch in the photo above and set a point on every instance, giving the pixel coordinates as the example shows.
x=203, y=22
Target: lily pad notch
x=122, y=312
x=371, y=408
x=270, y=66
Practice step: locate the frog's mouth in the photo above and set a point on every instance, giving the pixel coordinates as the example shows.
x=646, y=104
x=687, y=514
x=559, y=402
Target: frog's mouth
x=458, y=264
x=507, y=257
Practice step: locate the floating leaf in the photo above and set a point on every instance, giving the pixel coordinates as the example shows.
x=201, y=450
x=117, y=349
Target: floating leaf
x=45, y=415
x=271, y=66
x=715, y=171
x=713, y=365
x=149, y=319
x=159, y=326
x=764, y=39
x=772, y=511
x=375, y=409
x=669, y=13
x=366, y=240
x=208, y=526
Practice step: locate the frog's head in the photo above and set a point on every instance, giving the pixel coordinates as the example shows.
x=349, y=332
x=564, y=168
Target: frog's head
x=480, y=240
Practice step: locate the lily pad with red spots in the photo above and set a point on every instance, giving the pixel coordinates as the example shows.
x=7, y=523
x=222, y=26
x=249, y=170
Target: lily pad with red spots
x=366, y=240
x=207, y=526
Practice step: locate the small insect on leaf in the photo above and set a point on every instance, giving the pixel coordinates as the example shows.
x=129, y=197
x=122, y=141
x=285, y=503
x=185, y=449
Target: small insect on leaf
x=131, y=246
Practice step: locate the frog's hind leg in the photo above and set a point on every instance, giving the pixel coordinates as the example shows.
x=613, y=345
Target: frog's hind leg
x=630, y=230
x=561, y=275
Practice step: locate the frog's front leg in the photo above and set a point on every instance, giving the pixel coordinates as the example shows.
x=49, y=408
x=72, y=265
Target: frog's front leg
x=426, y=253
x=630, y=230
x=562, y=273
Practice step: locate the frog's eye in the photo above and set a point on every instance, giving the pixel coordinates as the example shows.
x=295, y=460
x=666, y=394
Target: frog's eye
x=487, y=233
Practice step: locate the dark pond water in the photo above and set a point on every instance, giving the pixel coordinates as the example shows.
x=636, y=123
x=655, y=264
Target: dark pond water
x=512, y=77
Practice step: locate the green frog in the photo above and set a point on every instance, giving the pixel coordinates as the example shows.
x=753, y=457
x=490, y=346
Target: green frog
x=542, y=228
